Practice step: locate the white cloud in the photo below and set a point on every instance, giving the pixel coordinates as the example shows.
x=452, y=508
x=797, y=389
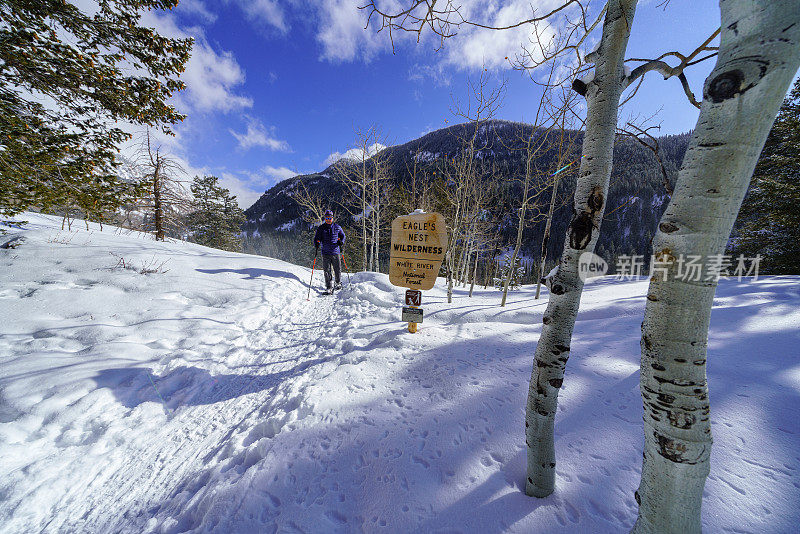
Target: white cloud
x=342, y=34
x=196, y=8
x=258, y=135
x=355, y=154
x=437, y=73
x=340, y=27
x=210, y=76
x=265, y=12
x=477, y=47
x=278, y=173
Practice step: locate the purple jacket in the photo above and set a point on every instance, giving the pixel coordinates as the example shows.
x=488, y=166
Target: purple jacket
x=329, y=235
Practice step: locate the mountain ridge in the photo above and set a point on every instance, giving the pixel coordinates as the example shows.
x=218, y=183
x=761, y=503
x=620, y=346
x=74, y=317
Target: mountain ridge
x=636, y=200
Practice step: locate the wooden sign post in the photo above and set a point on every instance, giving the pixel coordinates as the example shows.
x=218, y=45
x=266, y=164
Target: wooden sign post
x=419, y=242
x=412, y=311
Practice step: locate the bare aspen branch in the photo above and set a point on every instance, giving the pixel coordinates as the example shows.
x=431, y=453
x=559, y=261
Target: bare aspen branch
x=444, y=18
x=311, y=201
x=668, y=71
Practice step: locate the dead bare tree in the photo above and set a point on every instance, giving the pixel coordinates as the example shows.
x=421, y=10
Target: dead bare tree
x=311, y=201
x=167, y=201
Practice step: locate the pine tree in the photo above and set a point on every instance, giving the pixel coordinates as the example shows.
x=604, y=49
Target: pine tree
x=63, y=153
x=217, y=219
x=769, y=221
x=517, y=273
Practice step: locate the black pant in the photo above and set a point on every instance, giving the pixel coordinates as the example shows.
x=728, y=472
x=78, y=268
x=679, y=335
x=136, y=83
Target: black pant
x=329, y=260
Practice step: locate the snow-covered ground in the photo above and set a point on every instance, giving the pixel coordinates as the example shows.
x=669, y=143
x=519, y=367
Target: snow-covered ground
x=211, y=396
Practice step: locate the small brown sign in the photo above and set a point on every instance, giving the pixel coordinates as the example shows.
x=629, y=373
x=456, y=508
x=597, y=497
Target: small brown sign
x=413, y=297
x=419, y=241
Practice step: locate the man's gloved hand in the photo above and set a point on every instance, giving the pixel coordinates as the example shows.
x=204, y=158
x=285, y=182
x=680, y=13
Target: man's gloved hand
x=340, y=243
x=316, y=246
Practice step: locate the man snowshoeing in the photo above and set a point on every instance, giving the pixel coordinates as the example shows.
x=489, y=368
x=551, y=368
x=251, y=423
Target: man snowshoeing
x=331, y=236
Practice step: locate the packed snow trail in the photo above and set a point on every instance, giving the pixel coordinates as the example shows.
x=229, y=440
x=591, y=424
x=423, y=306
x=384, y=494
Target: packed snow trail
x=211, y=396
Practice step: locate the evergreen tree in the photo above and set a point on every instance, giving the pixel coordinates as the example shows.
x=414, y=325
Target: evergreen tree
x=769, y=221
x=517, y=273
x=217, y=219
x=81, y=65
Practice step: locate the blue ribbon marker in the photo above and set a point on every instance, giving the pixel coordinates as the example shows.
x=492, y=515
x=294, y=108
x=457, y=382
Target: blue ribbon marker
x=567, y=165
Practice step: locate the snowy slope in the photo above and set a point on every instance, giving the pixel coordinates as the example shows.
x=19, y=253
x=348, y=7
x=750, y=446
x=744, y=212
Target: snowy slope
x=214, y=397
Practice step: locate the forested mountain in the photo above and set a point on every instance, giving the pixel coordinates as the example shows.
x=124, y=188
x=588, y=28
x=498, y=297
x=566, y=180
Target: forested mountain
x=637, y=194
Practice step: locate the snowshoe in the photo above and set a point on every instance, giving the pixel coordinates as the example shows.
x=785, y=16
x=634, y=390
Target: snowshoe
x=328, y=291
x=338, y=286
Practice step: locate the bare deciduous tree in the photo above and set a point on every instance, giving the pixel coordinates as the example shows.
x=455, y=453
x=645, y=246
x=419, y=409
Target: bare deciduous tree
x=466, y=190
x=310, y=201
x=363, y=177
x=550, y=132
x=168, y=200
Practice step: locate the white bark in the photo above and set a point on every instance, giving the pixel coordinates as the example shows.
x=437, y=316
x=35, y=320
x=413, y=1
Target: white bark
x=759, y=54
x=520, y=229
x=546, y=237
x=514, y=255
x=449, y=264
x=474, y=272
x=552, y=351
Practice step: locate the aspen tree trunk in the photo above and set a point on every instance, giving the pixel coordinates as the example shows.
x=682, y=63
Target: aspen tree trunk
x=449, y=261
x=449, y=279
x=472, y=250
x=378, y=245
x=474, y=273
x=513, y=263
x=489, y=267
x=465, y=260
x=546, y=238
x=520, y=229
x=456, y=267
x=364, y=224
x=376, y=222
x=371, y=249
x=158, y=207
x=451, y=253
x=758, y=56
x=602, y=100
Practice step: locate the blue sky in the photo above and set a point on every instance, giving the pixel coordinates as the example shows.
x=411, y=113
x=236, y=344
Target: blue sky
x=275, y=88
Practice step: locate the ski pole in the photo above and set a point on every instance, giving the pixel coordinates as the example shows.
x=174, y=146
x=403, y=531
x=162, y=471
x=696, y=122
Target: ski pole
x=312, y=276
x=347, y=270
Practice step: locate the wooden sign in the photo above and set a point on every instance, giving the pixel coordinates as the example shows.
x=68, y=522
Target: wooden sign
x=413, y=297
x=419, y=241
